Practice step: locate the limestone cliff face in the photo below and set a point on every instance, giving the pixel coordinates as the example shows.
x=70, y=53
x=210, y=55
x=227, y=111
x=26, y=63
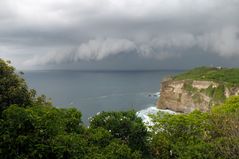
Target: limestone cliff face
x=188, y=95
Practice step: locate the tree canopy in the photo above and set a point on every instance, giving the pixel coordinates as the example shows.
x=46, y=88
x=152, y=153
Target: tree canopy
x=30, y=127
x=13, y=88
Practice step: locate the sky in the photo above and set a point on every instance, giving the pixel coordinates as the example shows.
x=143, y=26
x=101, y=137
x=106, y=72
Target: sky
x=119, y=34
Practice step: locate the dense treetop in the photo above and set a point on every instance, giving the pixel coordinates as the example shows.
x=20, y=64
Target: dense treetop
x=30, y=127
x=13, y=89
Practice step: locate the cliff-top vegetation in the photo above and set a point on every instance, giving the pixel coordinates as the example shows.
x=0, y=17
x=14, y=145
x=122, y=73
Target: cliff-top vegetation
x=216, y=74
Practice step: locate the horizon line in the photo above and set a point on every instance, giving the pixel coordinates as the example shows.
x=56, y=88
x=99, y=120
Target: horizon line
x=104, y=70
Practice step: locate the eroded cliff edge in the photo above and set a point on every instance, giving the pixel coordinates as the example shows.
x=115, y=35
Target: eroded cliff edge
x=187, y=94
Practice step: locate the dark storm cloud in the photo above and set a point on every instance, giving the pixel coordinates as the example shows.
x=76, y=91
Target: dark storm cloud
x=39, y=33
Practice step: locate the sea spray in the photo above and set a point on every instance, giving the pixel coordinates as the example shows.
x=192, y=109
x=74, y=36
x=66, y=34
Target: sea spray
x=145, y=114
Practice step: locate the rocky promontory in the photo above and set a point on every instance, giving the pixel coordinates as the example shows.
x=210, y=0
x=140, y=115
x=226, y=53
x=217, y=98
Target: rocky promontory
x=200, y=89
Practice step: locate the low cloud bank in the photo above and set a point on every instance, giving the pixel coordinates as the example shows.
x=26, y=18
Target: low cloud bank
x=223, y=43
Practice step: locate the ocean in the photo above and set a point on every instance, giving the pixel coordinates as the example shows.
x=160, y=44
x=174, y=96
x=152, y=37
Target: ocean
x=96, y=91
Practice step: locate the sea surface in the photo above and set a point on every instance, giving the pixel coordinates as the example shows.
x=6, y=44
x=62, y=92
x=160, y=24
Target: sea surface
x=96, y=91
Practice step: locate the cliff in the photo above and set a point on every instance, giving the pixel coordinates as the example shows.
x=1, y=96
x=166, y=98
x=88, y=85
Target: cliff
x=185, y=94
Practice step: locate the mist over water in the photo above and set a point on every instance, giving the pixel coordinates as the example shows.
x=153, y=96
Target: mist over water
x=96, y=91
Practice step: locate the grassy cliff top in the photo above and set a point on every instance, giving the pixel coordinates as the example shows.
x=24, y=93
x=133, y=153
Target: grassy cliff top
x=217, y=74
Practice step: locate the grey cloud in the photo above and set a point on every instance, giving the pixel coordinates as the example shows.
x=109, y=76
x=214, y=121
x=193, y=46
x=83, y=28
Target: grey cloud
x=99, y=49
x=64, y=31
x=224, y=42
x=92, y=50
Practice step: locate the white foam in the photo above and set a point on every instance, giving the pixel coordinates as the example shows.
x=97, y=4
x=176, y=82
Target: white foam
x=144, y=114
x=167, y=111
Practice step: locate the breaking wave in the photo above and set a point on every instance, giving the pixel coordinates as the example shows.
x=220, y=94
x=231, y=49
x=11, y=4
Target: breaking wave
x=145, y=114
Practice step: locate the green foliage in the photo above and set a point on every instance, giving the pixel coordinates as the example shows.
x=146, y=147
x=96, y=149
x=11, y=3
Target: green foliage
x=14, y=90
x=31, y=128
x=198, y=135
x=125, y=126
x=230, y=105
x=189, y=88
x=67, y=146
x=219, y=93
x=226, y=147
x=216, y=93
x=48, y=132
x=227, y=75
x=209, y=91
x=40, y=132
x=99, y=137
x=225, y=122
x=180, y=136
x=117, y=150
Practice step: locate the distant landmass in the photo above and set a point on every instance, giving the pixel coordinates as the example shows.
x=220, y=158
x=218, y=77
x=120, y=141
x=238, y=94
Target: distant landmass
x=200, y=88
